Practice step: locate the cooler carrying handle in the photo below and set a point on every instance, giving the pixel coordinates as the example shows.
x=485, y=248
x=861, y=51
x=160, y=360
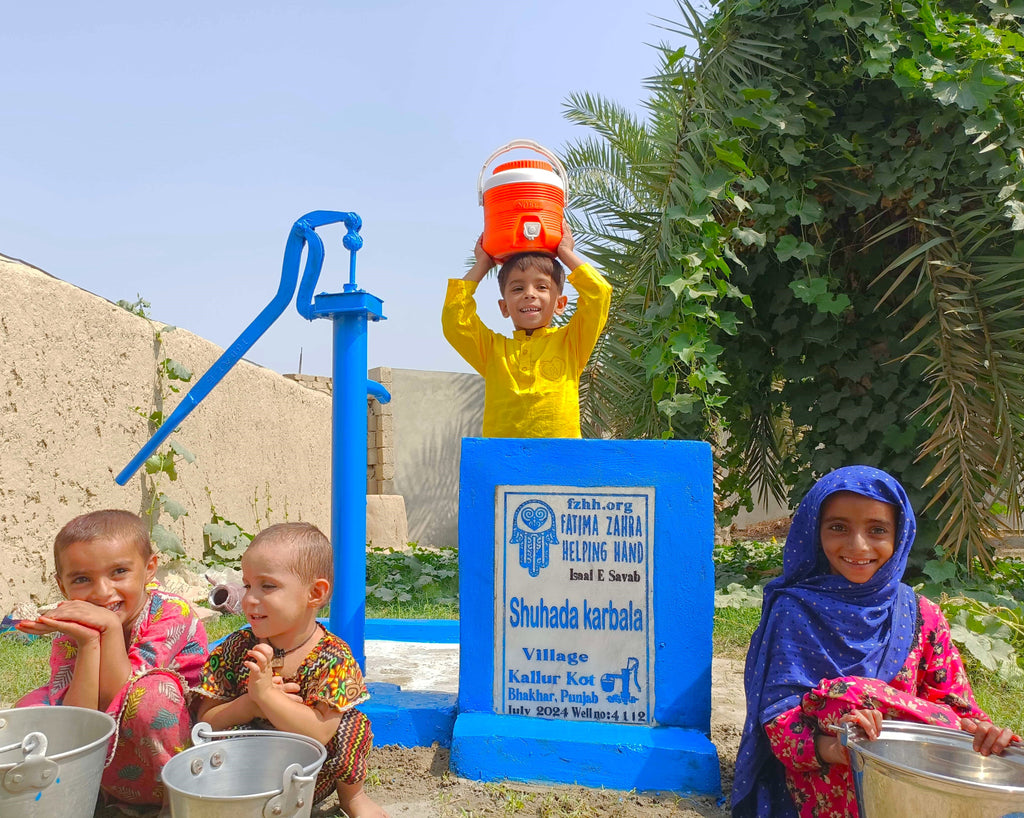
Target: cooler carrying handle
x=520, y=143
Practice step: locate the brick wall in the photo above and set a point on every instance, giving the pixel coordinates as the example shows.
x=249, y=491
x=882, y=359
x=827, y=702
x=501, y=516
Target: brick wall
x=380, y=430
x=380, y=438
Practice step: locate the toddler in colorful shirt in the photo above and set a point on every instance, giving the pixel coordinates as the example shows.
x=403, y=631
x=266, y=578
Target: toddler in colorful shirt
x=287, y=672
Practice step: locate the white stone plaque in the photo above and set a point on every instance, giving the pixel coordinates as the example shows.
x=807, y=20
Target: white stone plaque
x=574, y=638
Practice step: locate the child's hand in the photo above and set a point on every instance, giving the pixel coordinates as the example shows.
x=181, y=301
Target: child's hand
x=831, y=750
x=35, y=627
x=483, y=262
x=80, y=620
x=566, y=250
x=869, y=720
x=44, y=625
x=988, y=738
x=261, y=675
x=289, y=689
x=481, y=255
x=568, y=243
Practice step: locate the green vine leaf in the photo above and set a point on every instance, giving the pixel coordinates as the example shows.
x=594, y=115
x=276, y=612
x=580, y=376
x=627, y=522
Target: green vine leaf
x=172, y=507
x=162, y=463
x=749, y=236
x=815, y=291
x=182, y=452
x=165, y=541
x=790, y=246
x=809, y=210
x=176, y=370
x=789, y=153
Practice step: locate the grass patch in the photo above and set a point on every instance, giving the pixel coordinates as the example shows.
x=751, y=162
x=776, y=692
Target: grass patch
x=997, y=696
x=223, y=625
x=23, y=666
x=417, y=583
x=375, y=609
x=732, y=631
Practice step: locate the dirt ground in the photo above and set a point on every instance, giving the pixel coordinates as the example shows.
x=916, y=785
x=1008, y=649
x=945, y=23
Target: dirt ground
x=778, y=528
x=415, y=783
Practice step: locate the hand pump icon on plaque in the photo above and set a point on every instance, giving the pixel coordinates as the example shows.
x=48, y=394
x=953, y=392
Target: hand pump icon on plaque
x=609, y=681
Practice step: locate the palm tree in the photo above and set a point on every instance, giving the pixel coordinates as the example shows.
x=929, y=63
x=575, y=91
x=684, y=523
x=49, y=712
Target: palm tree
x=813, y=263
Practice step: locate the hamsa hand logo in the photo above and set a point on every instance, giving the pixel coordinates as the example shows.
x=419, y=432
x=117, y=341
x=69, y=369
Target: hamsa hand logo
x=533, y=530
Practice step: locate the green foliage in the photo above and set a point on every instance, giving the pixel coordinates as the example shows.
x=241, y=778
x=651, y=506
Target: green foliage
x=747, y=562
x=986, y=617
x=816, y=239
x=24, y=665
x=224, y=541
x=140, y=306
x=424, y=578
x=162, y=465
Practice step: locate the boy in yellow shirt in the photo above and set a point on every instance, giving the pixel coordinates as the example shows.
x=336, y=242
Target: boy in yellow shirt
x=531, y=381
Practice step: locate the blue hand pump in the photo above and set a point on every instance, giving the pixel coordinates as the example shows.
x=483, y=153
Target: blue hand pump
x=349, y=310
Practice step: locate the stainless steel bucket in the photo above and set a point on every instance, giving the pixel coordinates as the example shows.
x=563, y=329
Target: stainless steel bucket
x=51, y=761
x=917, y=769
x=244, y=774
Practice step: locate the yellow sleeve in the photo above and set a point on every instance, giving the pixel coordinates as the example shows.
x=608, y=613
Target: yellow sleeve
x=463, y=328
x=592, y=305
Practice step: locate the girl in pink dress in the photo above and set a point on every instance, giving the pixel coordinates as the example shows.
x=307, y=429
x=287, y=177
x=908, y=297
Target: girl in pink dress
x=122, y=646
x=843, y=640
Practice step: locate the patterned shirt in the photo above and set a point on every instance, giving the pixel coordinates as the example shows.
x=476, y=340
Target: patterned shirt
x=329, y=673
x=167, y=635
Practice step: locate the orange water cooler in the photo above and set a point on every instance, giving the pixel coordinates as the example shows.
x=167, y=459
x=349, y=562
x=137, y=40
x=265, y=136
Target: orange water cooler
x=523, y=201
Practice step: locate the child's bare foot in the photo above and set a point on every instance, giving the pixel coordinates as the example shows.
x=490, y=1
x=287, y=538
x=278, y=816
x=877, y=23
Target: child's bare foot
x=357, y=804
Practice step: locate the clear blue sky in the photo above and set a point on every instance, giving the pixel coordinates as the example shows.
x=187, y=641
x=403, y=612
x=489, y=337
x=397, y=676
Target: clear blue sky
x=166, y=149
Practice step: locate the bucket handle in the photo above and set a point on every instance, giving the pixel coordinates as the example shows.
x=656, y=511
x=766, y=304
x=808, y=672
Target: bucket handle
x=202, y=732
x=36, y=772
x=520, y=143
x=289, y=801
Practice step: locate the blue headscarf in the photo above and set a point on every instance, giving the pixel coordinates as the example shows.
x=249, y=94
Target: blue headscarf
x=817, y=625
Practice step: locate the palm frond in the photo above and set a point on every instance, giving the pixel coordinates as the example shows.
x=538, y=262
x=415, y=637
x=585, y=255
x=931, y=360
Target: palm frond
x=971, y=345
x=763, y=456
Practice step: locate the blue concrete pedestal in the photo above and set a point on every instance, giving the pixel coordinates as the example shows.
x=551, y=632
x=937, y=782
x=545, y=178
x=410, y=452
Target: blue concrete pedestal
x=411, y=718
x=488, y=747
x=586, y=590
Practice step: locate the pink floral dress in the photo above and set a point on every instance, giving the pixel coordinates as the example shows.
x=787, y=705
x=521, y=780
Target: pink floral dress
x=931, y=688
x=167, y=651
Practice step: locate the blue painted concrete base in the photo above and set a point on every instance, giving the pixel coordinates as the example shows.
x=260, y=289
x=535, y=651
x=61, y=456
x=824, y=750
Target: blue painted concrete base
x=409, y=718
x=488, y=747
x=435, y=631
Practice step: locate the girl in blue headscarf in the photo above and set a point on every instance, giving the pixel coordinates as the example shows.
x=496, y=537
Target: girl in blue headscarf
x=843, y=640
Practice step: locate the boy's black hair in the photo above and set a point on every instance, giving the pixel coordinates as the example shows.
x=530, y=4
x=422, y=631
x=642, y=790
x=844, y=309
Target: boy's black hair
x=548, y=265
x=108, y=524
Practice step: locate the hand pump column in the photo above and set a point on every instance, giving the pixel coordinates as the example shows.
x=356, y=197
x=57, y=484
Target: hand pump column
x=349, y=312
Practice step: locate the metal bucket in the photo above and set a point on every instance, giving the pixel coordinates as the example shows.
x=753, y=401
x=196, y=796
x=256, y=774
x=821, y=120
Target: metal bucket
x=51, y=761
x=934, y=771
x=244, y=774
